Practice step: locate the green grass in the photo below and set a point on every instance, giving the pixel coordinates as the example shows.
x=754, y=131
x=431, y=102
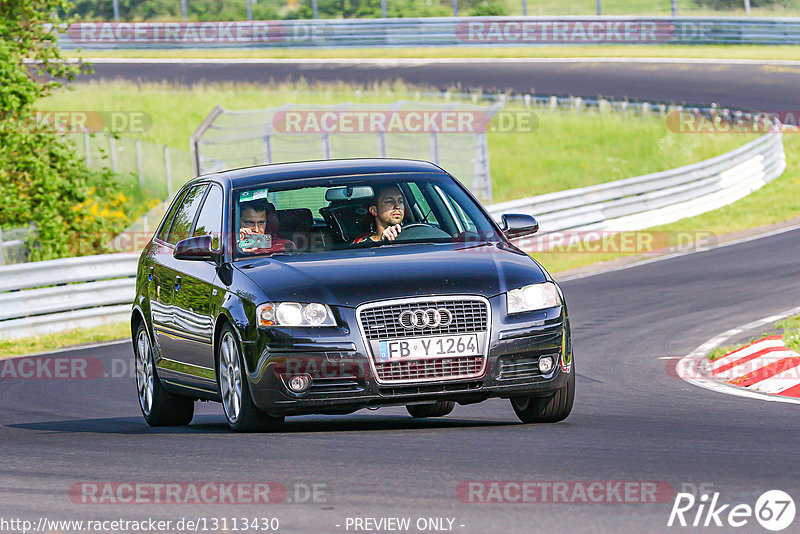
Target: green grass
x=776, y=202
x=48, y=342
x=566, y=149
x=791, y=332
x=762, y=52
x=789, y=329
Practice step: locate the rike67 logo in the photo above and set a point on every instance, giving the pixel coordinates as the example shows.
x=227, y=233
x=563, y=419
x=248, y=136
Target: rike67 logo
x=774, y=510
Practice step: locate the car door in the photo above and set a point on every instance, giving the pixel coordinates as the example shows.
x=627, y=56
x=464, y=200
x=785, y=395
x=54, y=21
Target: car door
x=194, y=323
x=168, y=278
x=161, y=277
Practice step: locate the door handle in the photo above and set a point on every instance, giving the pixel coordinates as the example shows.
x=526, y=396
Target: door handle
x=178, y=280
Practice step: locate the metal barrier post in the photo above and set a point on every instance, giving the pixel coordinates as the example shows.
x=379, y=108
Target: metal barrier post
x=267, y=149
x=139, y=163
x=434, y=148
x=168, y=168
x=112, y=147
x=382, y=144
x=88, y=147
x=326, y=146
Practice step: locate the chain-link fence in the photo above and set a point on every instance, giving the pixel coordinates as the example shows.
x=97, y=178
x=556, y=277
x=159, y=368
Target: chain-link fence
x=157, y=170
x=450, y=134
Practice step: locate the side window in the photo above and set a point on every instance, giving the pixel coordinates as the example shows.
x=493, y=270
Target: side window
x=423, y=210
x=184, y=217
x=462, y=220
x=164, y=230
x=209, y=222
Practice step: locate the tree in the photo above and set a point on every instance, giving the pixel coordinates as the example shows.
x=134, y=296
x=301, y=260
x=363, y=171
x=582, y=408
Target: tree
x=42, y=178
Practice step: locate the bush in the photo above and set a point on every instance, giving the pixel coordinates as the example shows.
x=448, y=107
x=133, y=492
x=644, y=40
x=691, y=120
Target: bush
x=42, y=179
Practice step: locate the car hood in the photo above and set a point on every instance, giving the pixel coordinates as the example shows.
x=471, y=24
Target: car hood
x=353, y=277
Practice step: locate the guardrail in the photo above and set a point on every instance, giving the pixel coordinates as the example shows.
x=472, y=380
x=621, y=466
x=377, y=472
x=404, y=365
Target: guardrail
x=91, y=291
x=433, y=31
x=658, y=198
x=96, y=290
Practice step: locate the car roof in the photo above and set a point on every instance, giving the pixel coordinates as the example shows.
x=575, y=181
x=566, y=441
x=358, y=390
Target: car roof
x=247, y=176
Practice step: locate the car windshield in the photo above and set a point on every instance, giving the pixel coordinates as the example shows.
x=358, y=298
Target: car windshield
x=327, y=214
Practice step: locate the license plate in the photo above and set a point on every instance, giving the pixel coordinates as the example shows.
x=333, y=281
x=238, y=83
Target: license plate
x=428, y=347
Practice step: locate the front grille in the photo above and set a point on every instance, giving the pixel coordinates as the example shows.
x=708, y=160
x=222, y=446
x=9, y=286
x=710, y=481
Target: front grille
x=337, y=384
x=430, y=368
x=518, y=366
x=454, y=387
x=383, y=322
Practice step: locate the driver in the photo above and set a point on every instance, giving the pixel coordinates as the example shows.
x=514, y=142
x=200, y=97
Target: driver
x=388, y=209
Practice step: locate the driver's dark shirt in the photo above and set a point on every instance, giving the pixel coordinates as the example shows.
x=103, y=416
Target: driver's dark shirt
x=362, y=238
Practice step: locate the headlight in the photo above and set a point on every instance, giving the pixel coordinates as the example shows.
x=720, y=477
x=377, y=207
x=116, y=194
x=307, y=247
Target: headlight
x=533, y=297
x=294, y=314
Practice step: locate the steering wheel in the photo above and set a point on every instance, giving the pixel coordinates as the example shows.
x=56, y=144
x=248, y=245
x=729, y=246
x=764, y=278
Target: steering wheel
x=421, y=231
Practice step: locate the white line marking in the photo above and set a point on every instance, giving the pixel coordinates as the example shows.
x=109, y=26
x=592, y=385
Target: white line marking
x=389, y=62
x=696, y=376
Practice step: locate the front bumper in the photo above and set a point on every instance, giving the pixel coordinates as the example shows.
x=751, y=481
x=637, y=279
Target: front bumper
x=343, y=380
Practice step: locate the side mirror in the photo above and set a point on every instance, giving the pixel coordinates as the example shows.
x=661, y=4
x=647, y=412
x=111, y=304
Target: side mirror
x=195, y=248
x=518, y=225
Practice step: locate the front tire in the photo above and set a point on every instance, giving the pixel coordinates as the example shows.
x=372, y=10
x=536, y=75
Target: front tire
x=550, y=409
x=159, y=407
x=434, y=409
x=240, y=411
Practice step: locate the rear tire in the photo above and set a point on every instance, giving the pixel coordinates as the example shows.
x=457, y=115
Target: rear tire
x=159, y=407
x=550, y=409
x=240, y=411
x=434, y=409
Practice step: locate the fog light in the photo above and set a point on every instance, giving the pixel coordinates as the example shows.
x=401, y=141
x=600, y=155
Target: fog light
x=545, y=364
x=299, y=383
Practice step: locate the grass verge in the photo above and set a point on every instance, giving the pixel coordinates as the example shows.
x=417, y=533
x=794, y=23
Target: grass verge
x=776, y=202
x=564, y=150
x=789, y=329
x=756, y=52
x=60, y=340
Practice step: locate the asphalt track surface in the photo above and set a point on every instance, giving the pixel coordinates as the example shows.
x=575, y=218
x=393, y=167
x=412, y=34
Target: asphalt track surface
x=736, y=84
x=633, y=420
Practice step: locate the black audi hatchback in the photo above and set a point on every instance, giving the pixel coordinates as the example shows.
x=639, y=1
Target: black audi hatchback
x=330, y=286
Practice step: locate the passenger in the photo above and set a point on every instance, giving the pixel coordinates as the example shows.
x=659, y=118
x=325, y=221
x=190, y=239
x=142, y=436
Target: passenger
x=259, y=218
x=388, y=209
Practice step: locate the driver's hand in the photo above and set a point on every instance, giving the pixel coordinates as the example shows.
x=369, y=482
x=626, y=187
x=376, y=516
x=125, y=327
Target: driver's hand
x=391, y=233
x=243, y=233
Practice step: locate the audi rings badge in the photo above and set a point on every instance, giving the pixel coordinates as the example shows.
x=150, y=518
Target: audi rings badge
x=430, y=318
